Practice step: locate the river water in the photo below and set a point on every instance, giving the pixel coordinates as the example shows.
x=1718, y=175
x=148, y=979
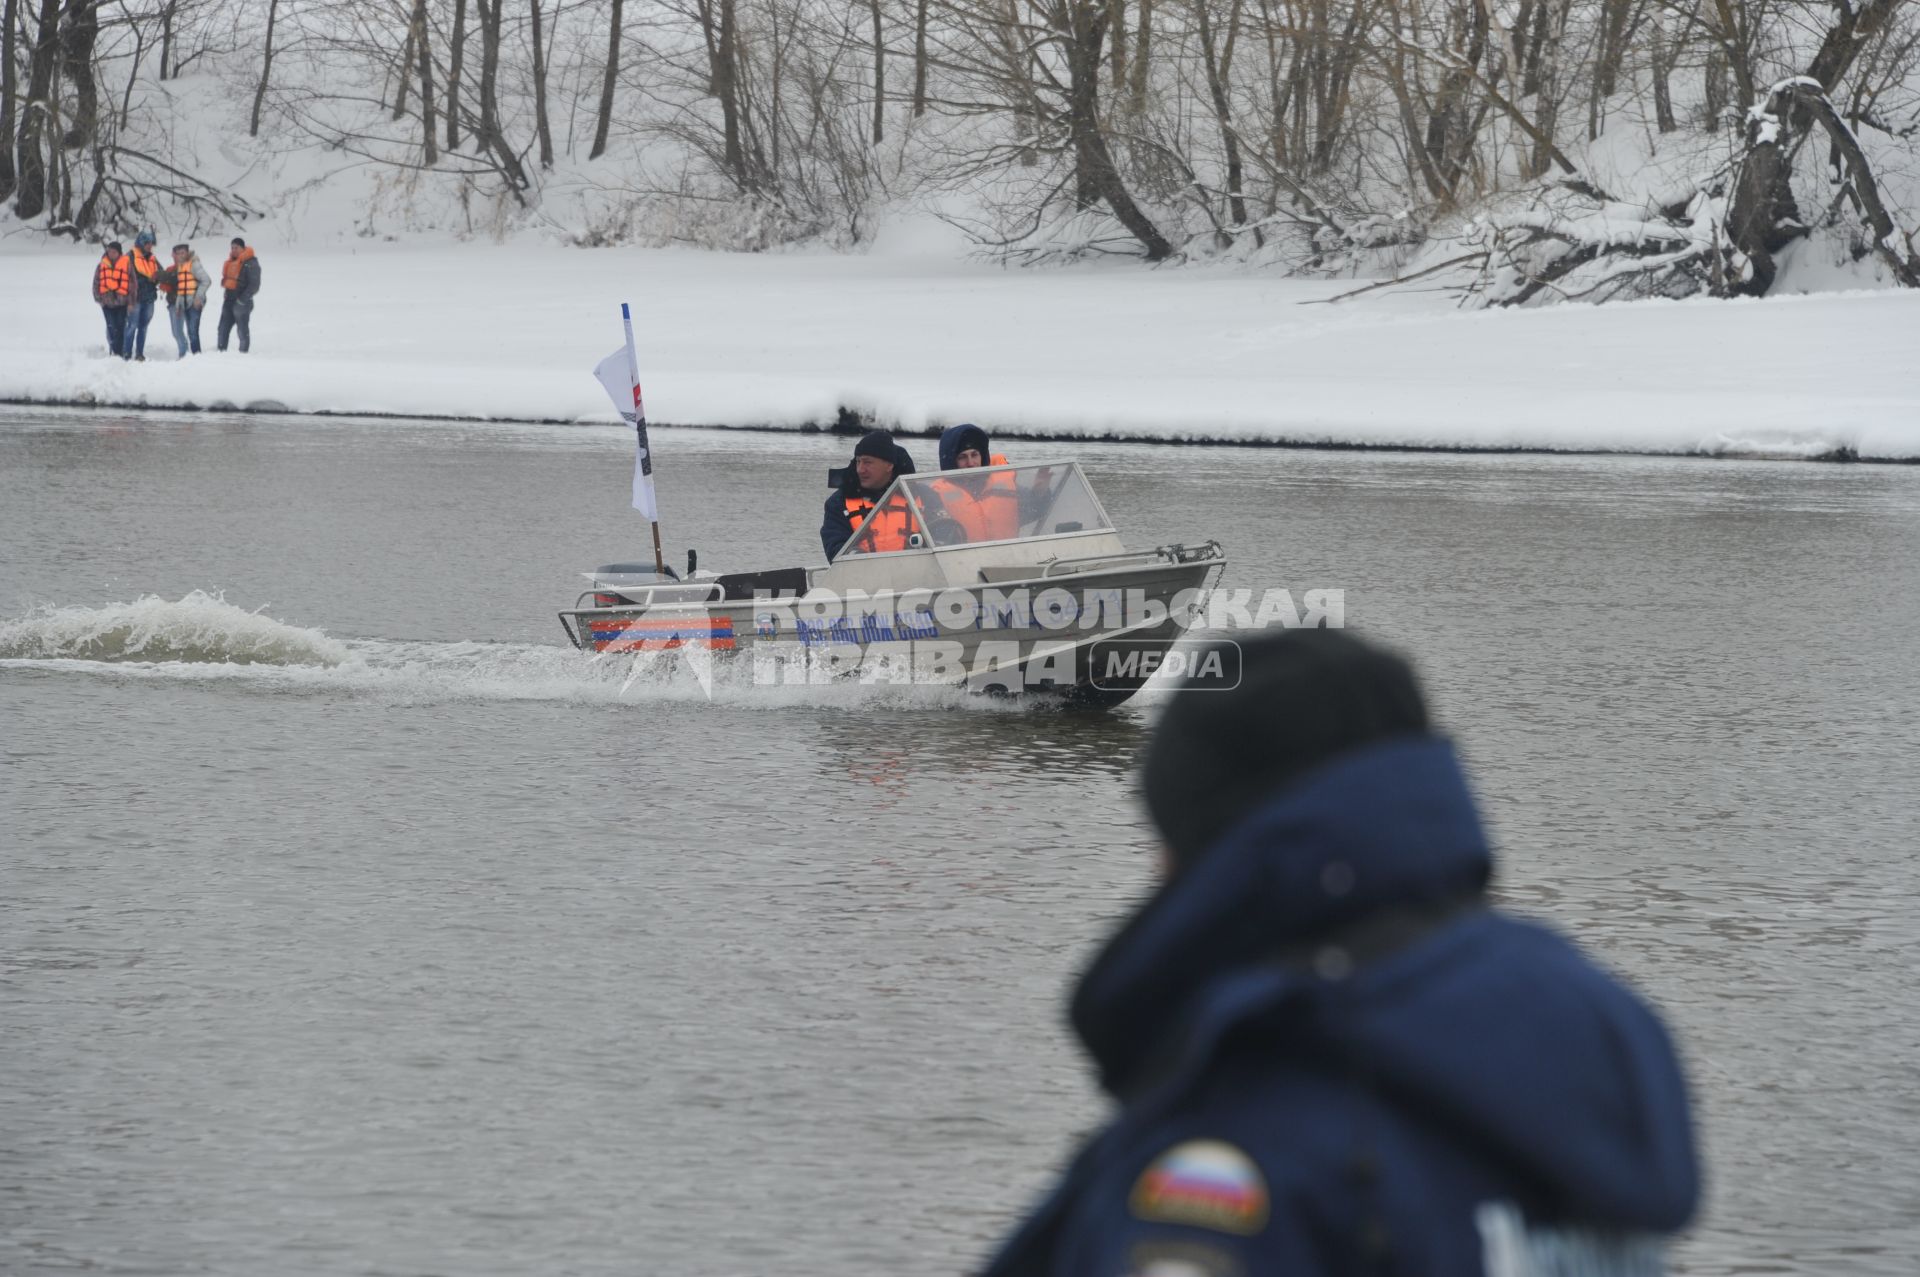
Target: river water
x=351, y=924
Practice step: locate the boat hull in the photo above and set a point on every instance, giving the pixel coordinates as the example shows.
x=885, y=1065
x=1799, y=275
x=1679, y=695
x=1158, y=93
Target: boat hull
x=1091, y=631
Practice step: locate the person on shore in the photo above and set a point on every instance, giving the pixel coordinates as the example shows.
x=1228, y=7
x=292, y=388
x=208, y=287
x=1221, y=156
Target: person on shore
x=140, y=303
x=1331, y=1055
x=877, y=460
x=112, y=283
x=185, y=283
x=240, y=278
x=973, y=508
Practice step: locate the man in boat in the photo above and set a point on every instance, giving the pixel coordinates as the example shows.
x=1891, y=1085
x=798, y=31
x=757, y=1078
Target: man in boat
x=972, y=508
x=1329, y=1054
x=966, y=447
x=877, y=461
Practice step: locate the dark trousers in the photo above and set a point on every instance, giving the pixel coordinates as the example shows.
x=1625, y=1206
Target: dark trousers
x=235, y=311
x=116, y=327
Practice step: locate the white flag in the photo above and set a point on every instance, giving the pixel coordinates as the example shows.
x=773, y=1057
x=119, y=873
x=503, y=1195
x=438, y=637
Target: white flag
x=616, y=374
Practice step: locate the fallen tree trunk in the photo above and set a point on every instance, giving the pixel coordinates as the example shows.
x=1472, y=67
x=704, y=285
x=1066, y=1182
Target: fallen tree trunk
x=1762, y=217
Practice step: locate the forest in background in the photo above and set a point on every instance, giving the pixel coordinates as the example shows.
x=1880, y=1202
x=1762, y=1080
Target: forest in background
x=1520, y=151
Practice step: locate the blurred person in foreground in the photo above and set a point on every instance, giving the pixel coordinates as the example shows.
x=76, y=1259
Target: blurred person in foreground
x=1330, y=1055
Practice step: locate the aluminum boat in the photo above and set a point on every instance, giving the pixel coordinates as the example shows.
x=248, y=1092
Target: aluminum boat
x=1004, y=579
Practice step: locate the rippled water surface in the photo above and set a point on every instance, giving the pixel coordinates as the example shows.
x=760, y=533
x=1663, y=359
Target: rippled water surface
x=350, y=924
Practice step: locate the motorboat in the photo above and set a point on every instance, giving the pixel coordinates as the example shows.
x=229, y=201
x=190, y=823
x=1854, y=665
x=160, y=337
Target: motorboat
x=1004, y=579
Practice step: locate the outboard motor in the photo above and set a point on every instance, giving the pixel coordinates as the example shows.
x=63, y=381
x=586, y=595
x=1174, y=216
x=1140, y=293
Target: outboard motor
x=612, y=577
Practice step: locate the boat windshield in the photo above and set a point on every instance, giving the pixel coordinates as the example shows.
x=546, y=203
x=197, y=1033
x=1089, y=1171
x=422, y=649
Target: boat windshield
x=1003, y=503
x=971, y=507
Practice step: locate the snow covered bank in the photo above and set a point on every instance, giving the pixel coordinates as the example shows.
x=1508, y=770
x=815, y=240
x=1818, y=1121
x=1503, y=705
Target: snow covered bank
x=785, y=340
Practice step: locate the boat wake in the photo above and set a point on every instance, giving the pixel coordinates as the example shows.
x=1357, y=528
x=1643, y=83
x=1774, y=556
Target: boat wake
x=200, y=629
x=202, y=638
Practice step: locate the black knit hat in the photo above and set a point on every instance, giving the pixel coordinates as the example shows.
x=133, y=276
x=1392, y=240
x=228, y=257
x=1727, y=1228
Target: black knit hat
x=1305, y=697
x=876, y=443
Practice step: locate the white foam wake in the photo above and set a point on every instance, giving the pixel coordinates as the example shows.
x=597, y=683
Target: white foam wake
x=204, y=639
x=201, y=628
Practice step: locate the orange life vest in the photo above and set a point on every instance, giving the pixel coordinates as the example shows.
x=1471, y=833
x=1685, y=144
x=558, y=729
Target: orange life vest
x=893, y=523
x=987, y=506
x=146, y=263
x=112, y=276
x=185, y=283
x=230, y=273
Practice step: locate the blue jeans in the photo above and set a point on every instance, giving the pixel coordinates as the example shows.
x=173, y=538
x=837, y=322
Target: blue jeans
x=139, y=315
x=186, y=327
x=116, y=327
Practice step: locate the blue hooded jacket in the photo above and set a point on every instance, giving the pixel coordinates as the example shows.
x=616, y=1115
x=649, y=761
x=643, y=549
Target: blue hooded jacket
x=1332, y=1059
x=957, y=439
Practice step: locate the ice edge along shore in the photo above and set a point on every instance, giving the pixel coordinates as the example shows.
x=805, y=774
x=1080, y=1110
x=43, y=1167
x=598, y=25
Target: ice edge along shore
x=797, y=342
x=1727, y=451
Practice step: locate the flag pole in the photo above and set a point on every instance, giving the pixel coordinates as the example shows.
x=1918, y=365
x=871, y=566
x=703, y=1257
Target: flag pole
x=640, y=426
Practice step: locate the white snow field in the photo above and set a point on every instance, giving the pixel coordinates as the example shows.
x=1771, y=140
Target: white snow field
x=921, y=338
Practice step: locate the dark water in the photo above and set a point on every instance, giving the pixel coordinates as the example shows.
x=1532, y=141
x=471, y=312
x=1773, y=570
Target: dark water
x=418, y=944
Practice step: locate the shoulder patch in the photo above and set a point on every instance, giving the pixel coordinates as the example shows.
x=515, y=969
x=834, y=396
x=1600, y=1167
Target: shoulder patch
x=1182, y=1259
x=1203, y=1184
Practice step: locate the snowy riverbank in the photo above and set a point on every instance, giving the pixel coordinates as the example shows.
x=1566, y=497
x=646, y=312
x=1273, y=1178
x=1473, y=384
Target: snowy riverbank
x=1106, y=350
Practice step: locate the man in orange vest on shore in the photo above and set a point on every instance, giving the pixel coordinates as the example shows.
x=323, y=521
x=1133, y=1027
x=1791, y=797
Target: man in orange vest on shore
x=240, y=277
x=186, y=284
x=140, y=302
x=112, y=281
x=877, y=461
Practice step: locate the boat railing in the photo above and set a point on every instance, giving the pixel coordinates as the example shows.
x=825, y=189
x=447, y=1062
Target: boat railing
x=681, y=594
x=1164, y=553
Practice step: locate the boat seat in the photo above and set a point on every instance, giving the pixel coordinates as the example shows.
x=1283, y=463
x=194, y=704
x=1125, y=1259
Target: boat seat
x=774, y=581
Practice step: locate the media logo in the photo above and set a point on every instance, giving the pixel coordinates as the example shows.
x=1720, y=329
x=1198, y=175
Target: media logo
x=1118, y=665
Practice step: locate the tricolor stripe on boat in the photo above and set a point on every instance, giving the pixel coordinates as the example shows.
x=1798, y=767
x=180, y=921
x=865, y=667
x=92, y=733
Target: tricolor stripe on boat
x=659, y=633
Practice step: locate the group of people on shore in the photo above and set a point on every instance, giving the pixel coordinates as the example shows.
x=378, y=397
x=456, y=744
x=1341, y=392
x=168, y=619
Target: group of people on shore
x=127, y=286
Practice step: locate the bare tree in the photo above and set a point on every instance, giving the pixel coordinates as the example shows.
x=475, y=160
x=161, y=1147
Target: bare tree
x=79, y=31
x=37, y=115
x=604, y=120
x=879, y=74
x=542, y=128
x=9, y=89
x=492, y=137
x=1218, y=63
x=726, y=87
x=168, y=13
x=456, y=63
x=266, y=71
x=1083, y=26
x=424, y=52
x=404, y=77
x=920, y=8
x=1141, y=54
